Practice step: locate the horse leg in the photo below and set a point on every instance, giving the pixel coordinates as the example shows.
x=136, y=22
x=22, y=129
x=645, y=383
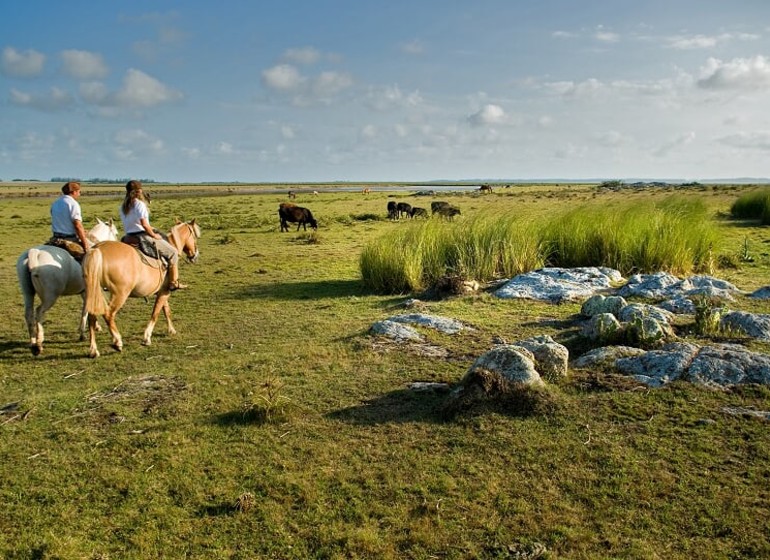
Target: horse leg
x=117, y=301
x=93, y=351
x=161, y=302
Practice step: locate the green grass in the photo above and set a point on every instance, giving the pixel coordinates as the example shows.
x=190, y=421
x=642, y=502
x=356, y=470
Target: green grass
x=674, y=234
x=273, y=388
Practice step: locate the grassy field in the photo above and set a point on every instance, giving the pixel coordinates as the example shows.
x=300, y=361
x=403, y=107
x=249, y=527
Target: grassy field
x=274, y=426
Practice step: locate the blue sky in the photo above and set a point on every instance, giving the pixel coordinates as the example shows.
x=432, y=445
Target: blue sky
x=340, y=90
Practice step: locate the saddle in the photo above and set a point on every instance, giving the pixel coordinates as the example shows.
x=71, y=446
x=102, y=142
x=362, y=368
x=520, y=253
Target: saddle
x=142, y=243
x=72, y=247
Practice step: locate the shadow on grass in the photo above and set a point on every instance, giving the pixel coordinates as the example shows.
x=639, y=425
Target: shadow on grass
x=397, y=407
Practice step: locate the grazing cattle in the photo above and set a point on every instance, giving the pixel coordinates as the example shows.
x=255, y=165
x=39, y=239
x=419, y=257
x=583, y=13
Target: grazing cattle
x=416, y=211
x=315, y=193
x=292, y=194
x=392, y=210
x=438, y=205
x=288, y=212
x=486, y=188
x=366, y=190
x=404, y=209
x=448, y=212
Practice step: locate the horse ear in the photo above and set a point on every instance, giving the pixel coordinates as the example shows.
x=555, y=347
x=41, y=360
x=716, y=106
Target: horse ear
x=111, y=222
x=176, y=220
x=99, y=220
x=192, y=222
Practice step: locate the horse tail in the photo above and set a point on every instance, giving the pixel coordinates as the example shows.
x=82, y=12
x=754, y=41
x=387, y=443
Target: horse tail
x=96, y=304
x=33, y=268
x=24, y=272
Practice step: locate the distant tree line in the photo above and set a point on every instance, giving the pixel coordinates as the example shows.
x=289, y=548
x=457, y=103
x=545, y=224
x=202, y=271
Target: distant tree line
x=97, y=180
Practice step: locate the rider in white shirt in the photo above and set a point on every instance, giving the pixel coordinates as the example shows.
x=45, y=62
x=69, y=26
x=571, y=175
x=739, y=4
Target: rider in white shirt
x=66, y=217
x=135, y=216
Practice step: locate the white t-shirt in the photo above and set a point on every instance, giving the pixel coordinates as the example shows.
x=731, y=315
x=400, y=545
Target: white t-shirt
x=64, y=211
x=132, y=222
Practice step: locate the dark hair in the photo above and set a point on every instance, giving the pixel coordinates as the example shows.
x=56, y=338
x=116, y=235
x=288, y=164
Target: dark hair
x=70, y=187
x=133, y=192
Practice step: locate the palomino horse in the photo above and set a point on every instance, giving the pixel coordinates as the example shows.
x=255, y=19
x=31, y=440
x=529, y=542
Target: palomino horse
x=51, y=272
x=124, y=272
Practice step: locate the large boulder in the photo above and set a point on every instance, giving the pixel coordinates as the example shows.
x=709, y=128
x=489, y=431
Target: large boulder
x=513, y=363
x=557, y=285
x=729, y=364
x=603, y=327
x=551, y=358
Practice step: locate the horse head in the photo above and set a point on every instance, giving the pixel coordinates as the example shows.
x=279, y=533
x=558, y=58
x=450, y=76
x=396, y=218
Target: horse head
x=184, y=235
x=103, y=231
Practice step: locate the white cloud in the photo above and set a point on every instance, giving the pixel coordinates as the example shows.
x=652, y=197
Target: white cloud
x=489, y=114
x=83, y=65
x=305, y=55
x=142, y=90
x=748, y=140
x=138, y=91
x=737, y=74
x=606, y=36
x=563, y=35
x=689, y=42
x=610, y=139
x=134, y=143
x=56, y=100
x=391, y=97
x=331, y=83
x=27, y=64
x=284, y=77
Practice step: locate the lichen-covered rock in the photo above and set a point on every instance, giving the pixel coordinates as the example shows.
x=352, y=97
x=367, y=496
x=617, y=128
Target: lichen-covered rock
x=755, y=325
x=606, y=356
x=678, y=305
x=658, y=367
x=396, y=331
x=551, y=358
x=559, y=284
x=634, y=311
x=646, y=331
x=442, y=324
x=603, y=327
x=514, y=363
x=729, y=364
x=602, y=304
x=664, y=285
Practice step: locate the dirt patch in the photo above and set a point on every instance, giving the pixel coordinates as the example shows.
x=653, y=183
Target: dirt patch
x=152, y=393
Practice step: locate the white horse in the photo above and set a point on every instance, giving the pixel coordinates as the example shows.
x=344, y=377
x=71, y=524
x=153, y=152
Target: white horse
x=51, y=272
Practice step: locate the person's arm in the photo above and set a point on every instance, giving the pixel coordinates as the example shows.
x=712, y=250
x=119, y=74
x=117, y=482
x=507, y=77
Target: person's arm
x=81, y=233
x=148, y=228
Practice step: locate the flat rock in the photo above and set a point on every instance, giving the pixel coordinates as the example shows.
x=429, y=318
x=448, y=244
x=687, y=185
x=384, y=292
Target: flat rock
x=559, y=284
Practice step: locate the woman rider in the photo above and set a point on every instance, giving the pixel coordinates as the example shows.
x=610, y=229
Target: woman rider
x=135, y=215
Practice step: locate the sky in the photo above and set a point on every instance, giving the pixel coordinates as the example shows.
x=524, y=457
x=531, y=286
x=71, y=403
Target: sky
x=350, y=90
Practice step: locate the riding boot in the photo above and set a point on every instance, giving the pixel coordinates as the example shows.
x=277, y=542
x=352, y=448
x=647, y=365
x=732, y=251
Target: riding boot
x=174, y=284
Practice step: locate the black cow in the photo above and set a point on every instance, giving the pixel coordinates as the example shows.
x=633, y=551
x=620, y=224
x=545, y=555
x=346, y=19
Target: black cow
x=436, y=206
x=404, y=208
x=288, y=212
x=416, y=211
x=392, y=210
x=448, y=212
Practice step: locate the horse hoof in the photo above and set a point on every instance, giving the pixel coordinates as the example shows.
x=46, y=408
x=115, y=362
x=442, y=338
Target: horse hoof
x=147, y=343
x=94, y=354
x=118, y=347
x=36, y=350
